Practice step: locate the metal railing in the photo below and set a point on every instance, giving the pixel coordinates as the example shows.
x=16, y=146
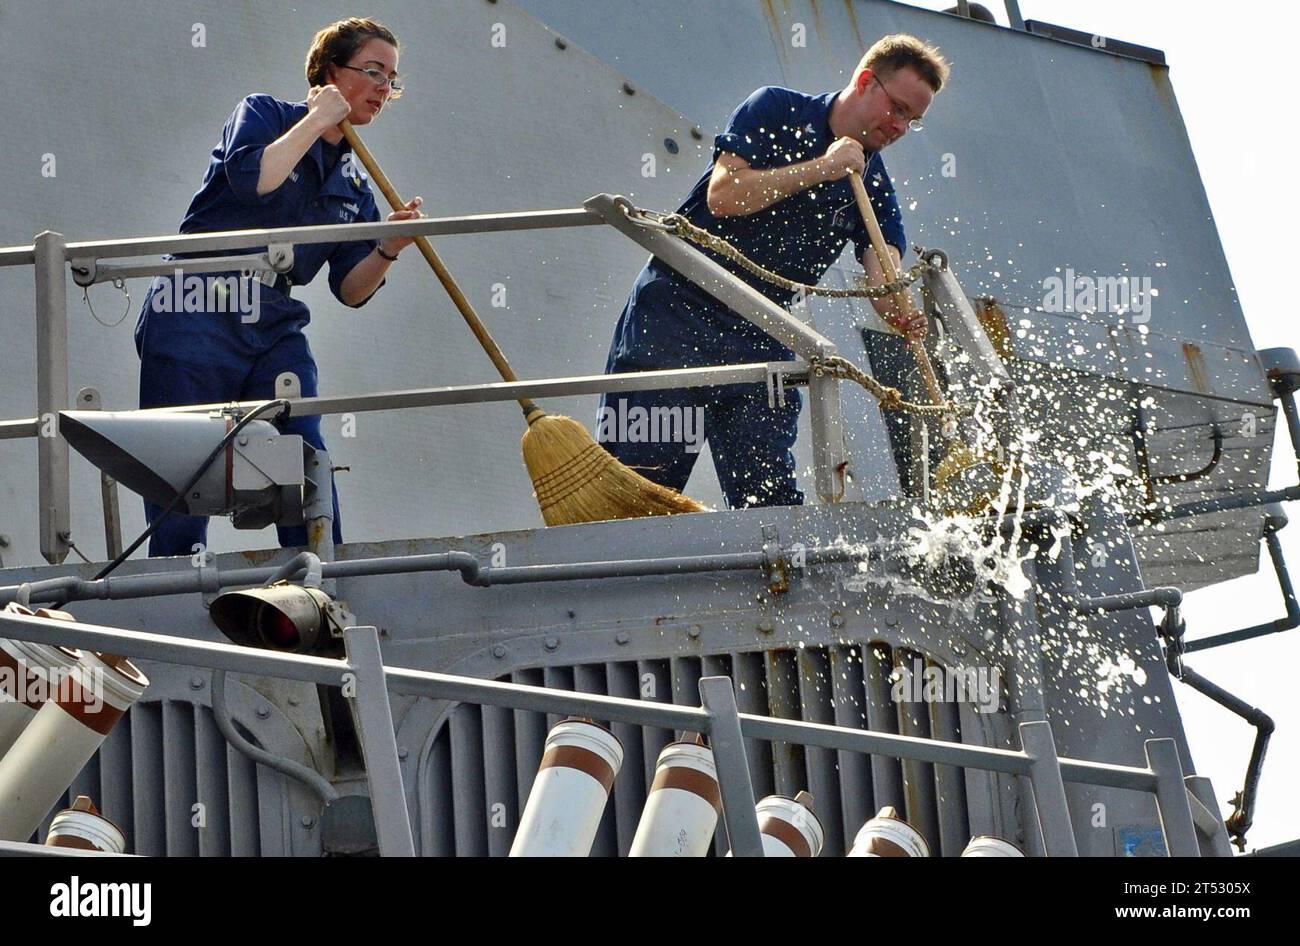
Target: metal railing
x=51, y=257
x=368, y=681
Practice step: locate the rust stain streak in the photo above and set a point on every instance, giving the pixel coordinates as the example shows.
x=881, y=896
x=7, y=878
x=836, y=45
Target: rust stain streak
x=1195, y=359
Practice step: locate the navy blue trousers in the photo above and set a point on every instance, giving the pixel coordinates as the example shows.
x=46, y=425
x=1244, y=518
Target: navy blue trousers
x=667, y=325
x=207, y=358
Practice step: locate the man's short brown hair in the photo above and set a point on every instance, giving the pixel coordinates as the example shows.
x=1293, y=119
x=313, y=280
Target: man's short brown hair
x=901, y=50
x=339, y=42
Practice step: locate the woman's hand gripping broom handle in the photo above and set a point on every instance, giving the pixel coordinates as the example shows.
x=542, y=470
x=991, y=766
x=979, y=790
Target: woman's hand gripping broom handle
x=903, y=297
x=444, y=275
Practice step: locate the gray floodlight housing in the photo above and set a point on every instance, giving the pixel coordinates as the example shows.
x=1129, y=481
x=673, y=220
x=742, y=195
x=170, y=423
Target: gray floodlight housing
x=258, y=479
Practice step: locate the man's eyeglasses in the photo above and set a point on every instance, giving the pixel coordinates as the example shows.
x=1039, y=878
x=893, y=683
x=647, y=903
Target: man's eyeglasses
x=915, y=124
x=393, y=83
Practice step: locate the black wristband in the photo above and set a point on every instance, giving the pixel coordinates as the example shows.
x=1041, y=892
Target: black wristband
x=380, y=251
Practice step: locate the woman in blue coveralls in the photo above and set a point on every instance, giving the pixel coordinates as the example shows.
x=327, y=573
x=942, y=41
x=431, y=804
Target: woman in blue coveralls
x=278, y=164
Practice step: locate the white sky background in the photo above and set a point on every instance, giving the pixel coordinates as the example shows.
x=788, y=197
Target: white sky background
x=1234, y=102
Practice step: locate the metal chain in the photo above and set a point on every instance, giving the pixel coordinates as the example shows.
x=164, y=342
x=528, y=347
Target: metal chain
x=120, y=285
x=678, y=225
x=891, y=399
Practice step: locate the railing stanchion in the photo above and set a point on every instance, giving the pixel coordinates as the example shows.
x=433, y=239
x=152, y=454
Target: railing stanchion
x=52, y=395
x=718, y=699
x=1049, y=789
x=369, y=697
x=1171, y=799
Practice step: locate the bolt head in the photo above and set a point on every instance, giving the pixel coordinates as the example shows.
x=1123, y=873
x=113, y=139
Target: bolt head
x=499, y=651
x=263, y=711
x=196, y=682
x=552, y=643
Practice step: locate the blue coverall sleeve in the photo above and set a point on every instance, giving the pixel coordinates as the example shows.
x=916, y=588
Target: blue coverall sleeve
x=880, y=188
x=256, y=123
x=347, y=255
x=748, y=127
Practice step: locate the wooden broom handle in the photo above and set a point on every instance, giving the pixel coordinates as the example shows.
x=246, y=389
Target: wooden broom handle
x=903, y=297
x=395, y=201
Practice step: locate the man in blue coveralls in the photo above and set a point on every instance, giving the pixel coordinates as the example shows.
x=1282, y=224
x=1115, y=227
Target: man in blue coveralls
x=225, y=337
x=778, y=190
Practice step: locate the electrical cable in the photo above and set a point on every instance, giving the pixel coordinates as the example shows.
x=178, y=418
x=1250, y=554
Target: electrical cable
x=198, y=474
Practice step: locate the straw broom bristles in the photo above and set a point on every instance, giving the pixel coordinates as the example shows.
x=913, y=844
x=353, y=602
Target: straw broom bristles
x=576, y=480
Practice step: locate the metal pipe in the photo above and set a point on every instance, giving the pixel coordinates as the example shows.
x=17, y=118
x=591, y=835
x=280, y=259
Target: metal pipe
x=1205, y=811
x=87, y=272
x=54, y=503
x=1164, y=597
x=719, y=282
x=212, y=578
x=1172, y=800
x=174, y=650
x=718, y=699
x=775, y=729
x=1240, y=820
x=1016, y=21
x=235, y=659
x=1110, y=776
x=329, y=233
x=1246, y=500
x=374, y=718
x=793, y=372
x=287, y=767
x=1049, y=800
x=20, y=428
x=1292, y=424
x=1287, y=623
x=307, y=562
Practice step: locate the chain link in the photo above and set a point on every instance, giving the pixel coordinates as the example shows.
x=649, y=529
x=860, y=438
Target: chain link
x=120, y=285
x=678, y=225
x=891, y=399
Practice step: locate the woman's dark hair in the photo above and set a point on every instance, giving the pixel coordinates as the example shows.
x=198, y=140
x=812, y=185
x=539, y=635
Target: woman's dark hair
x=339, y=42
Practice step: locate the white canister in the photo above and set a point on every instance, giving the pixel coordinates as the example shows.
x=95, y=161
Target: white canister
x=61, y=738
x=29, y=674
x=82, y=827
x=25, y=670
x=569, y=794
x=681, y=810
x=987, y=846
x=887, y=835
x=788, y=827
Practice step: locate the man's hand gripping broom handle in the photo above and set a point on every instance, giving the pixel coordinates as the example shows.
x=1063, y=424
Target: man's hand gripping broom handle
x=904, y=297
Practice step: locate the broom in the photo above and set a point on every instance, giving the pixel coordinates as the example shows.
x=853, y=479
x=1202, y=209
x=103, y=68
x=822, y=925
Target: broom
x=959, y=456
x=574, y=478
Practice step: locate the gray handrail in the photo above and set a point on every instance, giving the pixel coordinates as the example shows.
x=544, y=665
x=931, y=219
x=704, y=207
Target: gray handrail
x=1038, y=761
